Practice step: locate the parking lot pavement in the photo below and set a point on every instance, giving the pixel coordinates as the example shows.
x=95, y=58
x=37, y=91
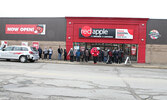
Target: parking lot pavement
x=52, y=81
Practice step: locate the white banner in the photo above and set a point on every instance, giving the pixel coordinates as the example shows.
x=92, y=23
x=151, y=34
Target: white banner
x=124, y=34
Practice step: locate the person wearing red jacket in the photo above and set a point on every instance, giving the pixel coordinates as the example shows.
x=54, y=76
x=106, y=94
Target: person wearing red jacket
x=95, y=53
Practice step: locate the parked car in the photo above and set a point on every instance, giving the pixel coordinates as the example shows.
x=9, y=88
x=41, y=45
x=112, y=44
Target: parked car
x=21, y=53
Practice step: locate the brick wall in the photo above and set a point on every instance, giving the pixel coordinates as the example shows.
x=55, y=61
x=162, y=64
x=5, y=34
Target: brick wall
x=156, y=54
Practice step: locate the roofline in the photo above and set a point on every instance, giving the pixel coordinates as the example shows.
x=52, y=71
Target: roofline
x=123, y=18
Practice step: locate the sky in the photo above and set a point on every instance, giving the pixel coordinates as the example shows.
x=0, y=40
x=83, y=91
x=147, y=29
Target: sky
x=155, y=9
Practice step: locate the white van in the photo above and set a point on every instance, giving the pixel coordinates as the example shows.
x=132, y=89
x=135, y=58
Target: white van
x=21, y=53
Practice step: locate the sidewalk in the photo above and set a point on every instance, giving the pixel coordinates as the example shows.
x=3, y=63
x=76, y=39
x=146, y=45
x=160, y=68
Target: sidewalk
x=133, y=65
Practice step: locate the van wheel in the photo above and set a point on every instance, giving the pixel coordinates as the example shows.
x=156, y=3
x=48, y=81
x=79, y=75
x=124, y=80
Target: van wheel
x=23, y=59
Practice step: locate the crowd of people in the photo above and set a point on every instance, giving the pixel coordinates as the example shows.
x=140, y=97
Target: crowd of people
x=49, y=52
x=107, y=56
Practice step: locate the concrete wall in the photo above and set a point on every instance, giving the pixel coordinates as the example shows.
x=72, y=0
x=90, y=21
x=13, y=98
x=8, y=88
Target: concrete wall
x=156, y=53
x=42, y=44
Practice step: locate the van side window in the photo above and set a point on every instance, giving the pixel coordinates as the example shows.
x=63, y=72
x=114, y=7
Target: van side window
x=17, y=49
x=24, y=49
x=8, y=49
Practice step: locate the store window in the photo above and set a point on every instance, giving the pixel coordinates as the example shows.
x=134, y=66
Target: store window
x=129, y=50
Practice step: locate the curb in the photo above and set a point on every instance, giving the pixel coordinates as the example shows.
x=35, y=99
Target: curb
x=104, y=64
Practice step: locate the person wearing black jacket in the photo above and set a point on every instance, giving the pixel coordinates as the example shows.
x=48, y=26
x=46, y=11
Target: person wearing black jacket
x=60, y=51
x=100, y=55
x=119, y=56
x=40, y=52
x=65, y=55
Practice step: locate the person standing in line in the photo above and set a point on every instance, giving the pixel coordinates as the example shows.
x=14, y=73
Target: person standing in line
x=71, y=53
x=82, y=55
x=50, y=53
x=78, y=54
x=75, y=56
x=89, y=54
x=116, y=56
x=102, y=55
x=119, y=56
x=105, y=55
x=65, y=55
x=109, y=57
x=95, y=54
x=113, y=55
x=60, y=51
x=122, y=56
x=40, y=52
x=45, y=52
x=86, y=55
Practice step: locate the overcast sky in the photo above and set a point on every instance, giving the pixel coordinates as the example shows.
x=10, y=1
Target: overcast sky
x=89, y=8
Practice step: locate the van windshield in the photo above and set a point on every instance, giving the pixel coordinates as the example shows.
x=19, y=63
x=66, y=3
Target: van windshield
x=33, y=49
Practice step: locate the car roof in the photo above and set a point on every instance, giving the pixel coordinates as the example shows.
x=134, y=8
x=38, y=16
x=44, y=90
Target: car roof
x=17, y=46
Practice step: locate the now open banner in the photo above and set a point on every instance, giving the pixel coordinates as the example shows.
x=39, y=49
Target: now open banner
x=35, y=29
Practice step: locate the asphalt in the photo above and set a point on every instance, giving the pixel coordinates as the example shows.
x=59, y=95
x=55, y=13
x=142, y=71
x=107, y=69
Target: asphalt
x=132, y=64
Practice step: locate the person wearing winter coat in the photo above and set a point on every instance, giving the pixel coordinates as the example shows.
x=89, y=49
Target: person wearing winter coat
x=100, y=55
x=105, y=55
x=86, y=55
x=95, y=54
x=78, y=54
x=60, y=51
x=71, y=53
x=89, y=54
x=75, y=57
x=40, y=52
x=65, y=55
x=45, y=52
x=82, y=55
x=119, y=56
x=50, y=51
x=109, y=61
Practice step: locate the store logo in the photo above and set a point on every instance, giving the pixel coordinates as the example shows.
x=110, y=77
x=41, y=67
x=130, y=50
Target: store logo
x=154, y=34
x=100, y=32
x=39, y=29
x=86, y=31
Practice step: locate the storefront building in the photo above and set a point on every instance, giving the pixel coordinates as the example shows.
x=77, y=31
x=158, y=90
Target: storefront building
x=142, y=39
x=128, y=34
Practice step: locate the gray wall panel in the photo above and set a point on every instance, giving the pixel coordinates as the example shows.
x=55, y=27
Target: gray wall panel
x=55, y=29
x=161, y=26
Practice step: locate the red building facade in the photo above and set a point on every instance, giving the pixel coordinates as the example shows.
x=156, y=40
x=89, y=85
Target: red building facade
x=138, y=25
